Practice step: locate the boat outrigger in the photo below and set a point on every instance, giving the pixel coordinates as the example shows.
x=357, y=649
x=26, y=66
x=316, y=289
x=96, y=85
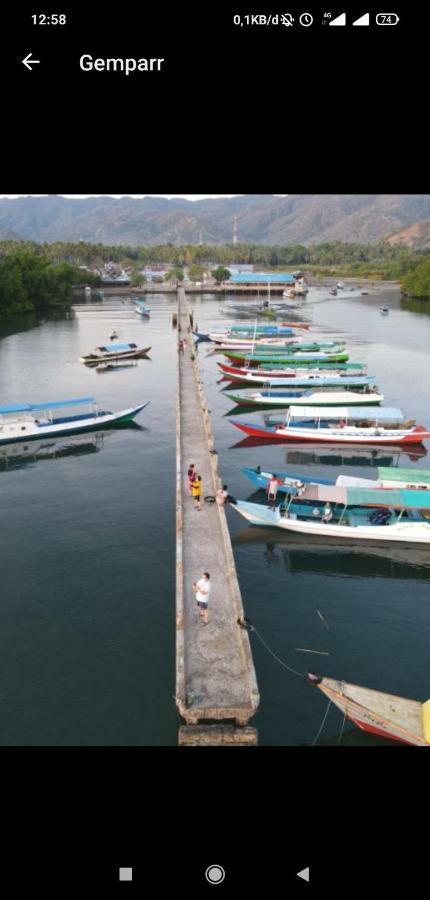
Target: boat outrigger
x=28, y=421
x=114, y=351
x=351, y=513
x=387, y=715
x=342, y=425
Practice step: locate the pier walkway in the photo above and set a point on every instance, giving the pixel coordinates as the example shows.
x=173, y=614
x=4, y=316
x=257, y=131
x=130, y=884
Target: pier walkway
x=215, y=676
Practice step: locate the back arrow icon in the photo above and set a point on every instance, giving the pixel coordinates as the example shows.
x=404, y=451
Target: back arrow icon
x=27, y=61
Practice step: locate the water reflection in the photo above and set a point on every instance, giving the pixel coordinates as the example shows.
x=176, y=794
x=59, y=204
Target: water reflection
x=413, y=304
x=328, y=556
x=19, y=454
x=339, y=455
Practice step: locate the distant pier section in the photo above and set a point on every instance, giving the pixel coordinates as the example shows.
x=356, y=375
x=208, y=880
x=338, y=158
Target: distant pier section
x=216, y=686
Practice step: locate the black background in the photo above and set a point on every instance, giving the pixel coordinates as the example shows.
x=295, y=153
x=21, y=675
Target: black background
x=338, y=110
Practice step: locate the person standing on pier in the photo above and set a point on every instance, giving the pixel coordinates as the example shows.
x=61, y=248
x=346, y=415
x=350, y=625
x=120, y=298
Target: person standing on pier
x=202, y=591
x=191, y=476
x=196, y=488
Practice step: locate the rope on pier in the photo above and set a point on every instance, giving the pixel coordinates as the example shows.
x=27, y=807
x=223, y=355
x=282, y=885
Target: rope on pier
x=246, y=623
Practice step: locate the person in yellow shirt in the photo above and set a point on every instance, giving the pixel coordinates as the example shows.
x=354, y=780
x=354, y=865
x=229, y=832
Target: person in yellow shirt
x=196, y=489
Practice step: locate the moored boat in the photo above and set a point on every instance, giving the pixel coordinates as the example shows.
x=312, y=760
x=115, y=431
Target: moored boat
x=387, y=478
x=376, y=712
x=273, y=375
x=298, y=357
x=28, y=421
x=350, y=513
x=114, y=351
x=342, y=425
x=308, y=398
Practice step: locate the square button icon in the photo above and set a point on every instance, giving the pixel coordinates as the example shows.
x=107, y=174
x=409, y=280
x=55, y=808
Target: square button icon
x=126, y=874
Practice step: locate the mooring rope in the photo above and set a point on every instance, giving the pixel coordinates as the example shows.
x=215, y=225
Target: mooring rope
x=341, y=730
x=246, y=623
x=322, y=724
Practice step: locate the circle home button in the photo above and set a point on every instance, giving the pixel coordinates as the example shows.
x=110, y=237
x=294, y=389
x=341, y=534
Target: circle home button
x=215, y=874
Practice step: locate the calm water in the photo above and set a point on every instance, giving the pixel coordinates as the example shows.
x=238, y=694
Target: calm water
x=88, y=541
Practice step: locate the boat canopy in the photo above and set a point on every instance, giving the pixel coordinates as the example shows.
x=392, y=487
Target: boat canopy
x=383, y=414
x=360, y=496
x=113, y=348
x=33, y=407
x=412, y=476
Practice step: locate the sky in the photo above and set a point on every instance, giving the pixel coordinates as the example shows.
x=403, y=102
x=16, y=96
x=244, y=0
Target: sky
x=137, y=196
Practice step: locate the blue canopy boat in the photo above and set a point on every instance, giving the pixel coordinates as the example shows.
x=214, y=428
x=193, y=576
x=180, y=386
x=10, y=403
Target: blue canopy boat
x=349, y=513
x=28, y=421
x=114, y=351
x=290, y=482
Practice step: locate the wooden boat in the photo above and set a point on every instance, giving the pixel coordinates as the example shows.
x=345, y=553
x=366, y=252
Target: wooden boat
x=350, y=513
x=261, y=342
x=272, y=375
x=298, y=357
x=114, y=351
x=308, y=398
x=142, y=310
x=285, y=328
x=386, y=715
x=29, y=421
x=342, y=425
x=387, y=478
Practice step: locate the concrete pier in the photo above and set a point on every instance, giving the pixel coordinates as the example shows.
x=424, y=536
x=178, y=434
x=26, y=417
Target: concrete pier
x=215, y=675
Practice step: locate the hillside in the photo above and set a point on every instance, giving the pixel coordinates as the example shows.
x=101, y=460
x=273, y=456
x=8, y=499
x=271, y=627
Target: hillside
x=416, y=236
x=261, y=218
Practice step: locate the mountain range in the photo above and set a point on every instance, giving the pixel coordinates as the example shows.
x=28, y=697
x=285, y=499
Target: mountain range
x=261, y=219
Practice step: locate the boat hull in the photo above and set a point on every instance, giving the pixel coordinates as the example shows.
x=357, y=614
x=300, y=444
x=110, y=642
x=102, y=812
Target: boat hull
x=295, y=359
x=343, y=398
x=403, y=532
x=385, y=715
x=93, y=360
x=336, y=436
x=78, y=426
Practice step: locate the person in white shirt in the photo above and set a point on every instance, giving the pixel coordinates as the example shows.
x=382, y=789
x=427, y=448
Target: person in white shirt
x=221, y=495
x=202, y=591
x=272, y=490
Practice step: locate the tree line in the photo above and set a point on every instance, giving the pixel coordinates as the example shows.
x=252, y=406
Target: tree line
x=36, y=276
x=30, y=282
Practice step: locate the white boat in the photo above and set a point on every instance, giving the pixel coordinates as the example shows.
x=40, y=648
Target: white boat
x=29, y=421
x=342, y=425
x=387, y=715
x=307, y=398
x=351, y=513
x=340, y=285
x=114, y=351
x=235, y=342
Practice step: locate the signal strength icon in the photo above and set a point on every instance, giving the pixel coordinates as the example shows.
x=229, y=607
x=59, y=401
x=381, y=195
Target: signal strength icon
x=340, y=20
x=363, y=20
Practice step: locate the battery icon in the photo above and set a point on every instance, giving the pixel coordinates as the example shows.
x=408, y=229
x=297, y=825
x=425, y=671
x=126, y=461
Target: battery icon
x=387, y=19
